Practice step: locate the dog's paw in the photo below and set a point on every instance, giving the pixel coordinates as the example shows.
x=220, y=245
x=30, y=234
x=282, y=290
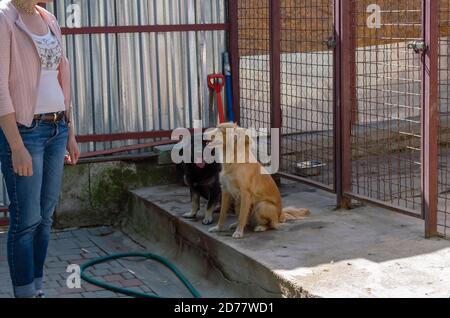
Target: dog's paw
x=238, y=235
x=214, y=229
x=261, y=228
x=207, y=221
x=189, y=215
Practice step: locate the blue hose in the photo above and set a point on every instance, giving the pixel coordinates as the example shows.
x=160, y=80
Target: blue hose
x=132, y=293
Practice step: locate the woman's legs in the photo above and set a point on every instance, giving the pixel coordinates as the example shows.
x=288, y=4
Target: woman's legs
x=24, y=194
x=53, y=167
x=33, y=200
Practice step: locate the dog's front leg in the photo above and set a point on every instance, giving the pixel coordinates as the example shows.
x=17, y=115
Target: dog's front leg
x=195, y=198
x=211, y=207
x=244, y=212
x=226, y=205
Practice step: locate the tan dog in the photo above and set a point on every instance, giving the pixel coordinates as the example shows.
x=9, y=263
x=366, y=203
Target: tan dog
x=255, y=196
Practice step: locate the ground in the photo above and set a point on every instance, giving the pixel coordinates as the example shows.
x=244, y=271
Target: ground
x=78, y=246
x=364, y=252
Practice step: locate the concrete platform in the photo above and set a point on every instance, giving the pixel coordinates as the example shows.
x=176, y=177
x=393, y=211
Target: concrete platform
x=365, y=252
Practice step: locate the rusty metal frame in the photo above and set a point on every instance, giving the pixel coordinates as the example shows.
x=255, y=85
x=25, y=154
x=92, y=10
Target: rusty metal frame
x=234, y=56
x=344, y=99
x=147, y=29
x=430, y=117
x=275, y=68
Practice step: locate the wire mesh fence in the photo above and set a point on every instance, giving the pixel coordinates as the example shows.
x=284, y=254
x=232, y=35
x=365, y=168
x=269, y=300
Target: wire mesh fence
x=392, y=100
x=254, y=74
x=386, y=130
x=307, y=89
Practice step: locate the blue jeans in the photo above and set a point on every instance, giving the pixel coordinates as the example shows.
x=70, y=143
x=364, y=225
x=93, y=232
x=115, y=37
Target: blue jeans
x=33, y=201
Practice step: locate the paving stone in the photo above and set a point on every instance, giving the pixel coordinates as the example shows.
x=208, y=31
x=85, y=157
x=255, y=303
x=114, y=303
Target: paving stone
x=100, y=272
x=131, y=283
x=118, y=270
x=90, y=288
x=128, y=275
x=90, y=255
x=66, y=290
x=76, y=247
x=85, y=244
x=65, y=244
x=101, y=266
x=99, y=294
x=112, y=278
x=70, y=257
x=71, y=296
x=63, y=235
x=51, y=292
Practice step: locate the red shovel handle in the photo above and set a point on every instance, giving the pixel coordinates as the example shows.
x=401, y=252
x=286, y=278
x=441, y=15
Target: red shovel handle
x=216, y=82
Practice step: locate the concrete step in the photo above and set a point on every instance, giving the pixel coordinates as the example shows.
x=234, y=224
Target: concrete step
x=154, y=216
x=365, y=252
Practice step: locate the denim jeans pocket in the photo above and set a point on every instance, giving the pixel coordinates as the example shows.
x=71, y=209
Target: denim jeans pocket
x=25, y=129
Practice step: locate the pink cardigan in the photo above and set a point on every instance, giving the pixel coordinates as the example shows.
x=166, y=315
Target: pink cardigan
x=20, y=66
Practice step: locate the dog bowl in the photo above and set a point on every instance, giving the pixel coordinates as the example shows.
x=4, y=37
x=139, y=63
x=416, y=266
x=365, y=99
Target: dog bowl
x=310, y=168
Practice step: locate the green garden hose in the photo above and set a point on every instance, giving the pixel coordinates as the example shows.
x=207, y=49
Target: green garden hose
x=128, y=292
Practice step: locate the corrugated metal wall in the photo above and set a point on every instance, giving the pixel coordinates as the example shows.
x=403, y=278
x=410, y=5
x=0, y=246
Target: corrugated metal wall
x=141, y=81
x=147, y=81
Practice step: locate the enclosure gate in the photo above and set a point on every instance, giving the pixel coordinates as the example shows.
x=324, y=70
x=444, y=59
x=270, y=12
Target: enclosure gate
x=360, y=93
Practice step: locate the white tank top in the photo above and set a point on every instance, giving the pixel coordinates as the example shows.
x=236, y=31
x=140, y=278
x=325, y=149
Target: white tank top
x=50, y=94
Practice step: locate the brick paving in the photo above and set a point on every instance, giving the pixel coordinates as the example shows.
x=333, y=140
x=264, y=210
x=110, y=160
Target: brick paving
x=76, y=247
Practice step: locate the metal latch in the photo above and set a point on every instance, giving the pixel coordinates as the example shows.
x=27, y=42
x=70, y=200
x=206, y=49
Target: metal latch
x=418, y=46
x=331, y=43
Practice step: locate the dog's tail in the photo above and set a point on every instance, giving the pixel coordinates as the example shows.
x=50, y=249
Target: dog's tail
x=289, y=214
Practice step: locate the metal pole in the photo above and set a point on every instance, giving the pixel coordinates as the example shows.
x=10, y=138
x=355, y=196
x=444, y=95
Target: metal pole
x=345, y=98
x=430, y=117
x=275, y=67
x=234, y=56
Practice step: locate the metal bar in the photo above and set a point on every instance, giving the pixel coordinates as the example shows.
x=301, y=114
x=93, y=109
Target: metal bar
x=127, y=136
x=275, y=67
x=345, y=82
x=147, y=29
x=430, y=117
x=307, y=181
x=383, y=204
x=126, y=148
x=337, y=103
x=234, y=56
x=124, y=136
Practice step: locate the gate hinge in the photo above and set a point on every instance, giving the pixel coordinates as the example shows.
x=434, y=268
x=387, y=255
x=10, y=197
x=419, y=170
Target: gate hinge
x=331, y=43
x=419, y=47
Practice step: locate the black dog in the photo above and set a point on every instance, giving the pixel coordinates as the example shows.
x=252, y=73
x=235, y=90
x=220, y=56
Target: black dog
x=203, y=180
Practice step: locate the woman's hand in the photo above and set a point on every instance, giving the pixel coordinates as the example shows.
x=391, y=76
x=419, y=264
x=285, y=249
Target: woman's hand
x=22, y=162
x=73, y=150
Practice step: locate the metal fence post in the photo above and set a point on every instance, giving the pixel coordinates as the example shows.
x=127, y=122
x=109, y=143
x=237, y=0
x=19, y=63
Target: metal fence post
x=430, y=117
x=344, y=98
x=234, y=56
x=275, y=67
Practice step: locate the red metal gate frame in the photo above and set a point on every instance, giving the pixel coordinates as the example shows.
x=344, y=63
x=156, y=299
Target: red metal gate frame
x=345, y=102
x=430, y=117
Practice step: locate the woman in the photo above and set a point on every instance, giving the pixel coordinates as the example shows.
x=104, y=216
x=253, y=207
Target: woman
x=36, y=130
